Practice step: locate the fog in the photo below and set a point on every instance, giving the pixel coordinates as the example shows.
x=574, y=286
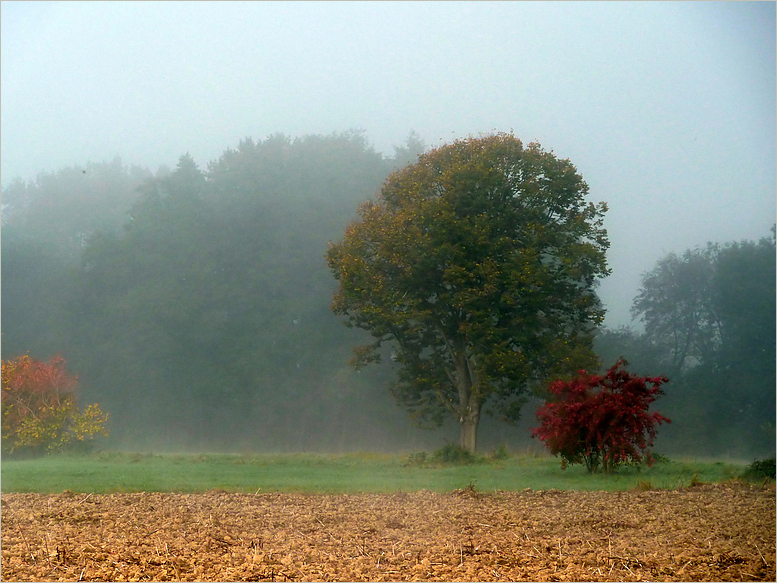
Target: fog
x=667, y=109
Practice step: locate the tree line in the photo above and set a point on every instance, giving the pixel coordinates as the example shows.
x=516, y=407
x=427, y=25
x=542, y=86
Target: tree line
x=194, y=304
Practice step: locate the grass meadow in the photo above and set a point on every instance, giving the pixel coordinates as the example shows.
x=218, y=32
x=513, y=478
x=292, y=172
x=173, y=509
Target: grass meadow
x=111, y=472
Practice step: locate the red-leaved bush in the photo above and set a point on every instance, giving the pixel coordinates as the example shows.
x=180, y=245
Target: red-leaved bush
x=601, y=420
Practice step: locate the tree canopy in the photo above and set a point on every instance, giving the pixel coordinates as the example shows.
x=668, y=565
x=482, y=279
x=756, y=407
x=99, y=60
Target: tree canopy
x=478, y=264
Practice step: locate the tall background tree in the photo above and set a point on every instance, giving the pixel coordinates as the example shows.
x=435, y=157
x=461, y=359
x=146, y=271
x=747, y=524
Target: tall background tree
x=218, y=286
x=47, y=225
x=478, y=265
x=675, y=303
x=709, y=325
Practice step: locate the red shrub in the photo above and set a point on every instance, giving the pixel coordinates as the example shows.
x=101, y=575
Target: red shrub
x=601, y=420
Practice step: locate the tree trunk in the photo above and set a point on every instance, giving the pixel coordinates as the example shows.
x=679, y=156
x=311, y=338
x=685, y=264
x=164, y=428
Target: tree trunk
x=469, y=430
x=468, y=410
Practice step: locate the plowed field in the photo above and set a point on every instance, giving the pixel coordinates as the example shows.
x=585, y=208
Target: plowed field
x=709, y=532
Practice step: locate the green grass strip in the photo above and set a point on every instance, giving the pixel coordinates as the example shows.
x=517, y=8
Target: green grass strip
x=332, y=474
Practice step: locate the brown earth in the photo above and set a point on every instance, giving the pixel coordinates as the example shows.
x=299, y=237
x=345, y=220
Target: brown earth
x=709, y=532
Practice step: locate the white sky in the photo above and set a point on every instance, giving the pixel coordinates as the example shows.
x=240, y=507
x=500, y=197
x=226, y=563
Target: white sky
x=666, y=108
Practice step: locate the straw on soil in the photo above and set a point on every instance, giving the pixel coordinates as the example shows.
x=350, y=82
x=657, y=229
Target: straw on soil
x=709, y=532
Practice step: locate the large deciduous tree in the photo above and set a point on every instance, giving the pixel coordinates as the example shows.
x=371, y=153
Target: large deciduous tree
x=478, y=264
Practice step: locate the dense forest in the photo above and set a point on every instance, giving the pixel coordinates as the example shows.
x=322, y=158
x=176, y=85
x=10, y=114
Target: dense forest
x=194, y=304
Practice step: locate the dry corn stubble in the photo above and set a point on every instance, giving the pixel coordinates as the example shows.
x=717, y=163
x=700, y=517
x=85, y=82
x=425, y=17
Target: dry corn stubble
x=709, y=532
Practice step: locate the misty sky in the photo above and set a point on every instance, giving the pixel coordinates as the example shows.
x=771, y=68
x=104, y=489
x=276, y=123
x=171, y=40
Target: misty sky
x=667, y=109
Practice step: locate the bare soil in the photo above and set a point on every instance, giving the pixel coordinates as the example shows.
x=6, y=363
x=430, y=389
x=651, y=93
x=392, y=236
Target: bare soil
x=705, y=533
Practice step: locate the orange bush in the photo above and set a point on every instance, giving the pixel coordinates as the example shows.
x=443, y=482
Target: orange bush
x=39, y=411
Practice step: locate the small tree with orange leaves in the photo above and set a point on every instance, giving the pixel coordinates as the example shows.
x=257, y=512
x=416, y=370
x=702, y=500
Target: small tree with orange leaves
x=39, y=410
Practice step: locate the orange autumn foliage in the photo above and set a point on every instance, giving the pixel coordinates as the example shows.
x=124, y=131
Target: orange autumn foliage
x=39, y=410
